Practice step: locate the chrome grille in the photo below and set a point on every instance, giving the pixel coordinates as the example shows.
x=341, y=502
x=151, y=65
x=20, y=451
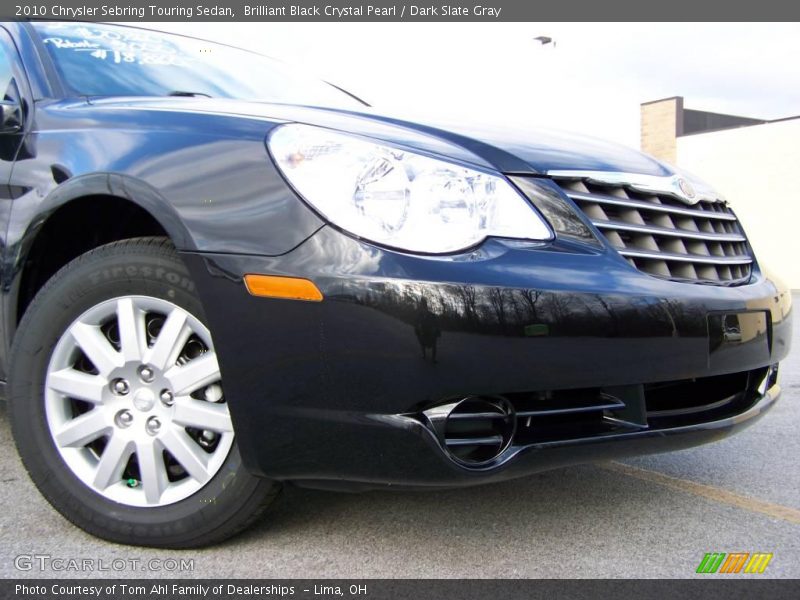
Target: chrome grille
x=664, y=237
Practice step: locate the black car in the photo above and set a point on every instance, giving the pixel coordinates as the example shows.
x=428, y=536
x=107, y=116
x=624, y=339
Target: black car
x=200, y=241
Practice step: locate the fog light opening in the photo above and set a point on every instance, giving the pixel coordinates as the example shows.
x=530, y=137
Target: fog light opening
x=476, y=430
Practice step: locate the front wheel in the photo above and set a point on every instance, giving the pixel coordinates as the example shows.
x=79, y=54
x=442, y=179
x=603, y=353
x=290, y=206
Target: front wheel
x=117, y=403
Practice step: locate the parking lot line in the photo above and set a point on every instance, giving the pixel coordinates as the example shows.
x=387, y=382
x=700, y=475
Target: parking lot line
x=754, y=505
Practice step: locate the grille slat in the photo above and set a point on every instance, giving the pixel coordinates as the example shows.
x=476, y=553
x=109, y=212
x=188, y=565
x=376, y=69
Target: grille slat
x=675, y=232
x=616, y=405
x=662, y=236
x=741, y=259
x=654, y=206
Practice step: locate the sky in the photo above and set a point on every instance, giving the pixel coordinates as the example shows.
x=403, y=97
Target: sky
x=591, y=80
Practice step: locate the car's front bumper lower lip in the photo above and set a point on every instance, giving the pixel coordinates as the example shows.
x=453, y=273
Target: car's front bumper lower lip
x=322, y=391
x=406, y=455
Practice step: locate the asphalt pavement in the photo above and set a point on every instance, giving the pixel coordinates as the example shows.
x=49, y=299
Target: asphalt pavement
x=653, y=516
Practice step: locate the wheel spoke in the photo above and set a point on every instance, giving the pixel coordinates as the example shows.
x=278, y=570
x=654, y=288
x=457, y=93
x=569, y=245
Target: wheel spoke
x=188, y=454
x=195, y=374
x=170, y=340
x=112, y=462
x=83, y=429
x=202, y=415
x=131, y=329
x=97, y=348
x=152, y=470
x=78, y=385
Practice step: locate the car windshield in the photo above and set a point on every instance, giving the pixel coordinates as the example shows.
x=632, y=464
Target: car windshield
x=107, y=60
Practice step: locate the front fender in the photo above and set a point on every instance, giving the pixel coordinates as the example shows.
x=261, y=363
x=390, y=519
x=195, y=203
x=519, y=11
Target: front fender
x=109, y=184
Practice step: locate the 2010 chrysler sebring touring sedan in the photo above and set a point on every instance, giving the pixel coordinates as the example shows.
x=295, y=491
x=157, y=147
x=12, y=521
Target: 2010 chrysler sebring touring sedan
x=220, y=276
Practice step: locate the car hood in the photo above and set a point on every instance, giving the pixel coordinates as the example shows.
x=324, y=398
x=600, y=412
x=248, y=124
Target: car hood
x=500, y=147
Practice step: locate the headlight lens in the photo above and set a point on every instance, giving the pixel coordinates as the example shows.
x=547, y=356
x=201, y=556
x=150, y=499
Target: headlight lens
x=398, y=198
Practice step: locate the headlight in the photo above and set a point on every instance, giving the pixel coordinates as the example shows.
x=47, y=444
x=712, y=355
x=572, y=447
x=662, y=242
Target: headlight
x=398, y=198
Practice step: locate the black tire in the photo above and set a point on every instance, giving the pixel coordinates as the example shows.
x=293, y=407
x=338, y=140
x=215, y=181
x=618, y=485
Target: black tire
x=228, y=503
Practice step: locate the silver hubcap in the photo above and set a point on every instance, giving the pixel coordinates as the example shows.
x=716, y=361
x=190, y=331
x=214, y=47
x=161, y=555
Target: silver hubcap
x=135, y=404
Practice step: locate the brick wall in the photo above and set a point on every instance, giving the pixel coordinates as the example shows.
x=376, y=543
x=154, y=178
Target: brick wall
x=662, y=123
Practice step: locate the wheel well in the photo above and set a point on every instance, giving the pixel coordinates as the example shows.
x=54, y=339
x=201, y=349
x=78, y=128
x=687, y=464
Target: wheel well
x=77, y=227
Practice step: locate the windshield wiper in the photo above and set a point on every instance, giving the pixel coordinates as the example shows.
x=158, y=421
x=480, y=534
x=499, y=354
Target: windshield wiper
x=188, y=94
x=351, y=94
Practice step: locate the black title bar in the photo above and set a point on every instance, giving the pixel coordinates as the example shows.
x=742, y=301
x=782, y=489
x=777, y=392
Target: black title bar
x=403, y=589
x=388, y=11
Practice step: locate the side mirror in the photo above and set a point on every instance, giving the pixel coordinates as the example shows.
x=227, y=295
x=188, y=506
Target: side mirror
x=10, y=116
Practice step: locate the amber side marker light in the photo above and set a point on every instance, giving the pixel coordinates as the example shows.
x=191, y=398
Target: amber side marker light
x=289, y=288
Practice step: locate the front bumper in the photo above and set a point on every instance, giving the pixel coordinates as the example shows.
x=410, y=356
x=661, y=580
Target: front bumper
x=330, y=393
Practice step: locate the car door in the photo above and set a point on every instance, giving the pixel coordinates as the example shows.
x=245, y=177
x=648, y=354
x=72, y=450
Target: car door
x=14, y=105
